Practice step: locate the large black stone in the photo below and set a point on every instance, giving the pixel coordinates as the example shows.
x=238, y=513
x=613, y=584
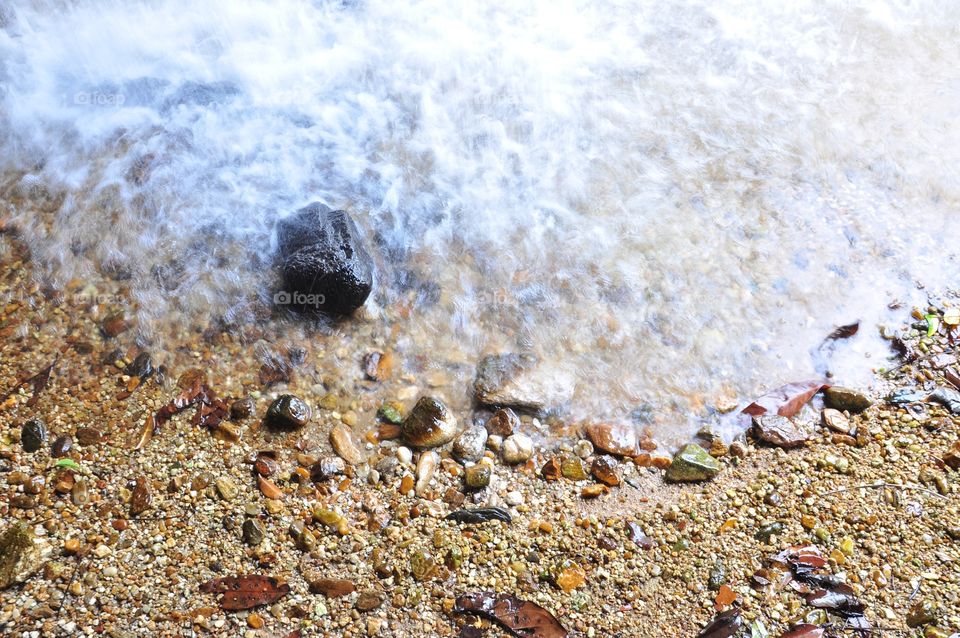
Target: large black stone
x=325, y=264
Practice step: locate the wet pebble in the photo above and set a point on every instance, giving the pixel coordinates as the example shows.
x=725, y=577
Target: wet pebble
x=61, y=446
x=141, y=497
x=253, y=532
x=430, y=424
x=504, y=422
x=780, y=431
x=426, y=466
x=288, y=412
x=341, y=438
x=477, y=476
x=846, y=400
x=226, y=488
x=241, y=409
x=604, y=469
x=33, y=435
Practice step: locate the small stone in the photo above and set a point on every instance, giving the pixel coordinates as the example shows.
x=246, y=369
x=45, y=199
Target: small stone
x=72, y=546
x=390, y=414
x=242, y=409
x=430, y=424
x=779, y=431
x=341, y=438
x=522, y=381
x=594, y=490
x=253, y=532
x=265, y=465
x=368, y=600
x=288, y=412
x=836, y=421
x=269, y=489
x=255, y=621
x=61, y=446
x=33, y=435
x=114, y=324
x=226, y=488
x=426, y=466
x=846, y=400
x=477, y=476
x=517, y=448
x=141, y=497
x=80, y=493
x=504, y=422
x=88, y=436
x=471, y=443
x=604, y=469
x=326, y=468
x=569, y=576
x=34, y=485
x=692, y=463
x=583, y=449
x=922, y=613
x=514, y=498
x=21, y=554
x=551, y=470
x=572, y=468
x=619, y=439
x=331, y=587
x=406, y=485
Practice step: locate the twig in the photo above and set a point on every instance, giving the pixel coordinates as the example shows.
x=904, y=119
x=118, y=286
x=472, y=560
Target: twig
x=915, y=488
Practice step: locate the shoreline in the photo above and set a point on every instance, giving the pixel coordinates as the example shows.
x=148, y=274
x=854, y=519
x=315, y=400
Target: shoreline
x=124, y=563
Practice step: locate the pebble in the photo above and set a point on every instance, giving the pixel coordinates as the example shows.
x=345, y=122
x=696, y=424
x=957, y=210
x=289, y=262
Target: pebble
x=836, y=421
x=471, y=444
x=846, y=400
x=368, y=600
x=477, y=476
x=253, y=532
x=780, y=431
x=430, y=424
x=572, y=468
x=426, y=466
x=619, y=439
x=341, y=438
x=692, y=463
x=514, y=498
x=61, y=446
x=504, y=422
x=288, y=412
x=517, y=448
x=33, y=435
x=604, y=469
x=226, y=488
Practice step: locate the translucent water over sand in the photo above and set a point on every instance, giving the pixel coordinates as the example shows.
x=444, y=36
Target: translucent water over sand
x=675, y=200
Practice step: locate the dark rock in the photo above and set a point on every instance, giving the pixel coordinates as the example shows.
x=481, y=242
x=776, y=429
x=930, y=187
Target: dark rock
x=324, y=262
x=33, y=435
x=88, y=436
x=692, y=463
x=779, y=431
x=845, y=399
x=368, y=600
x=61, y=446
x=241, y=409
x=141, y=367
x=288, y=412
x=253, y=532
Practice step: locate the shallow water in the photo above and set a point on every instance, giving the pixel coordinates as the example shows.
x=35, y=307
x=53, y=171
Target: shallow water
x=677, y=201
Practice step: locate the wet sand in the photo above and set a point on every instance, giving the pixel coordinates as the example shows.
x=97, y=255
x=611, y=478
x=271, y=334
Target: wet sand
x=129, y=551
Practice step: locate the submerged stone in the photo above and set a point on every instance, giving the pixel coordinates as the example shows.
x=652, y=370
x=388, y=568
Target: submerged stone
x=325, y=265
x=692, y=463
x=521, y=381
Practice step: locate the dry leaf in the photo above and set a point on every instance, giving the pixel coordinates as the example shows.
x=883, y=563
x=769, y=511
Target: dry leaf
x=246, y=591
x=520, y=617
x=786, y=400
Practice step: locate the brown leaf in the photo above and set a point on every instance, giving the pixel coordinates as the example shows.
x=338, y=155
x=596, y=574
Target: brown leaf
x=141, y=497
x=39, y=382
x=844, y=332
x=723, y=625
x=246, y=591
x=804, y=631
x=786, y=400
x=519, y=617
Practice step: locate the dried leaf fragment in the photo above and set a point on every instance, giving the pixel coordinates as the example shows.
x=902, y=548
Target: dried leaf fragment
x=519, y=617
x=246, y=591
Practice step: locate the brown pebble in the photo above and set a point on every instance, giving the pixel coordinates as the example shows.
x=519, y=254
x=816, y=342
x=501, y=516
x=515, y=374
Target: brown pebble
x=503, y=423
x=406, y=485
x=34, y=485
x=369, y=600
x=332, y=587
x=61, y=446
x=88, y=436
x=255, y=621
x=141, y=497
x=265, y=466
x=269, y=489
x=551, y=469
x=341, y=438
x=114, y=324
x=595, y=490
x=604, y=469
x=241, y=408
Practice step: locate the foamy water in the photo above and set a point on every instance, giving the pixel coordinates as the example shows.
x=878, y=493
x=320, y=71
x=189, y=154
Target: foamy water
x=677, y=200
